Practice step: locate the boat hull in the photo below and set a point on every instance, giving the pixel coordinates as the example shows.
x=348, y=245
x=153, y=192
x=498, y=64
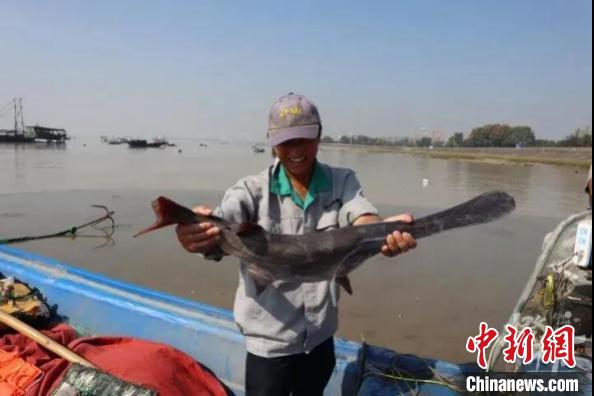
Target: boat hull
x=95, y=304
x=15, y=138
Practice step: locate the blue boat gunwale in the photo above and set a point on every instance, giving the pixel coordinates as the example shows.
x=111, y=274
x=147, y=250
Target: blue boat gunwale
x=192, y=319
x=122, y=285
x=153, y=303
x=129, y=287
x=210, y=310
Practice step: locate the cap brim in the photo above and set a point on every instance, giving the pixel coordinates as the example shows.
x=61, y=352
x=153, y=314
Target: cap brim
x=280, y=136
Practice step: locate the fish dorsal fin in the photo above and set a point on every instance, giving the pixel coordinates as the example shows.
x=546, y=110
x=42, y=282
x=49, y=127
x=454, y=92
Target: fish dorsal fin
x=248, y=227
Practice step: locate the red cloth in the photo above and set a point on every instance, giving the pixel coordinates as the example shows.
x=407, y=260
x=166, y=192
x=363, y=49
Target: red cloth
x=160, y=367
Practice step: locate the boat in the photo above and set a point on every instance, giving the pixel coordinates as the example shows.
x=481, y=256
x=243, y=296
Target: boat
x=558, y=293
x=30, y=134
x=12, y=136
x=20, y=133
x=143, y=143
x=115, y=140
x=258, y=149
x=47, y=134
x=101, y=305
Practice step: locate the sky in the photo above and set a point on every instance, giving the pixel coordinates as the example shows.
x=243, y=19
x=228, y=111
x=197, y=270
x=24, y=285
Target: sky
x=212, y=69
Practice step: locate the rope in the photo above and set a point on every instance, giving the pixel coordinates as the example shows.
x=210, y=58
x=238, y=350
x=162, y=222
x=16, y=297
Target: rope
x=70, y=231
x=412, y=382
x=406, y=379
x=3, y=109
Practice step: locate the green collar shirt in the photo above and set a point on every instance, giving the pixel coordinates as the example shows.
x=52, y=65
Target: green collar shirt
x=281, y=185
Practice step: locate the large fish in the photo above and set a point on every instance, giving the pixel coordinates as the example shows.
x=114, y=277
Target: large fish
x=324, y=255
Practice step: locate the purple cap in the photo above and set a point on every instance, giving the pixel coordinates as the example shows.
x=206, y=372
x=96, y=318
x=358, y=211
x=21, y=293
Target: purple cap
x=293, y=117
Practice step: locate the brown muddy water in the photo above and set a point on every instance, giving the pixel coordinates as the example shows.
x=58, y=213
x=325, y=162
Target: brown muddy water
x=426, y=302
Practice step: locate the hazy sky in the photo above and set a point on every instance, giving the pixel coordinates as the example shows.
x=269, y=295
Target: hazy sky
x=213, y=68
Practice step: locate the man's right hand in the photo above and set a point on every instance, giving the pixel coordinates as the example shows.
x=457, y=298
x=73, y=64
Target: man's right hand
x=199, y=237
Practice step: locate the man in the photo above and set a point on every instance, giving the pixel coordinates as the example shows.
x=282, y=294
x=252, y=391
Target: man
x=289, y=327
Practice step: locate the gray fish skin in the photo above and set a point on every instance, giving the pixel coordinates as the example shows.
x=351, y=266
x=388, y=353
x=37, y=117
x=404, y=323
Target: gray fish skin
x=325, y=255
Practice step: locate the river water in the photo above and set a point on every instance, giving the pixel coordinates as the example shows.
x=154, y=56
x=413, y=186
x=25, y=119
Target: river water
x=426, y=302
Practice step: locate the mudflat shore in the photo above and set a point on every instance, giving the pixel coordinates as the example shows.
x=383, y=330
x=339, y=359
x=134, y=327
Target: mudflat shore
x=563, y=156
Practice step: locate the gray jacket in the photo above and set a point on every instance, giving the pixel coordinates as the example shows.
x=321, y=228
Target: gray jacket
x=288, y=317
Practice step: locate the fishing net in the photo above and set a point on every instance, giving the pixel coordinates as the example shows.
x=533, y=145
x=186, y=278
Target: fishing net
x=385, y=372
x=558, y=293
x=86, y=381
x=23, y=302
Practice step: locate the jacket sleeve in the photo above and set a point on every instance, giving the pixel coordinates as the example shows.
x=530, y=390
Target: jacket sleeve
x=355, y=204
x=238, y=206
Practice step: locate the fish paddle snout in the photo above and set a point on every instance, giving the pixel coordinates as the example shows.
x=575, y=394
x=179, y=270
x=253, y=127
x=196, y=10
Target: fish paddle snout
x=497, y=203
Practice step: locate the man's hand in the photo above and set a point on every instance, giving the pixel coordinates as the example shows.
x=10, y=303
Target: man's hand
x=397, y=242
x=200, y=237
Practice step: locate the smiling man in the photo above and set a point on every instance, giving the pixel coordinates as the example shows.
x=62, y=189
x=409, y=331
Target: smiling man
x=289, y=327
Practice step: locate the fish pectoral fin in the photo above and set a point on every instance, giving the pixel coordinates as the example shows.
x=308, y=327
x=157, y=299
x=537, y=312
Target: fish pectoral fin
x=260, y=284
x=345, y=282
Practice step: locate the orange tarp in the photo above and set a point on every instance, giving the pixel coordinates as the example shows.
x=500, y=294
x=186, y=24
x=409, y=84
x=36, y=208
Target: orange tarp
x=16, y=375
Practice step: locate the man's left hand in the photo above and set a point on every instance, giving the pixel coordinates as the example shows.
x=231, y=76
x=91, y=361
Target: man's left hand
x=397, y=242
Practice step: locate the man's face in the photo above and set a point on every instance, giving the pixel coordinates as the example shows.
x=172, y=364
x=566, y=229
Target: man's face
x=298, y=156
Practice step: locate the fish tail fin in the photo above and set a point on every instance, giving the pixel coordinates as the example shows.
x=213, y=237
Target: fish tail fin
x=169, y=212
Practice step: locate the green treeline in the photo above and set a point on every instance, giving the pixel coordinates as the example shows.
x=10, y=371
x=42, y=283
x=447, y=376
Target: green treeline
x=492, y=135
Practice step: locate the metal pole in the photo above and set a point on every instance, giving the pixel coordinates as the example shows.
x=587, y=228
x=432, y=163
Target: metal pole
x=14, y=100
x=22, y=116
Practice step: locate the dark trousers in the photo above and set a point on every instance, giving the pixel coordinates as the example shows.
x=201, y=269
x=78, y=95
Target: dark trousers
x=296, y=375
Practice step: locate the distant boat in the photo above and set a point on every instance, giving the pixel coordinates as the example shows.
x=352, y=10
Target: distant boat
x=30, y=134
x=57, y=135
x=8, y=136
x=164, y=141
x=116, y=140
x=20, y=133
x=258, y=149
x=143, y=143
